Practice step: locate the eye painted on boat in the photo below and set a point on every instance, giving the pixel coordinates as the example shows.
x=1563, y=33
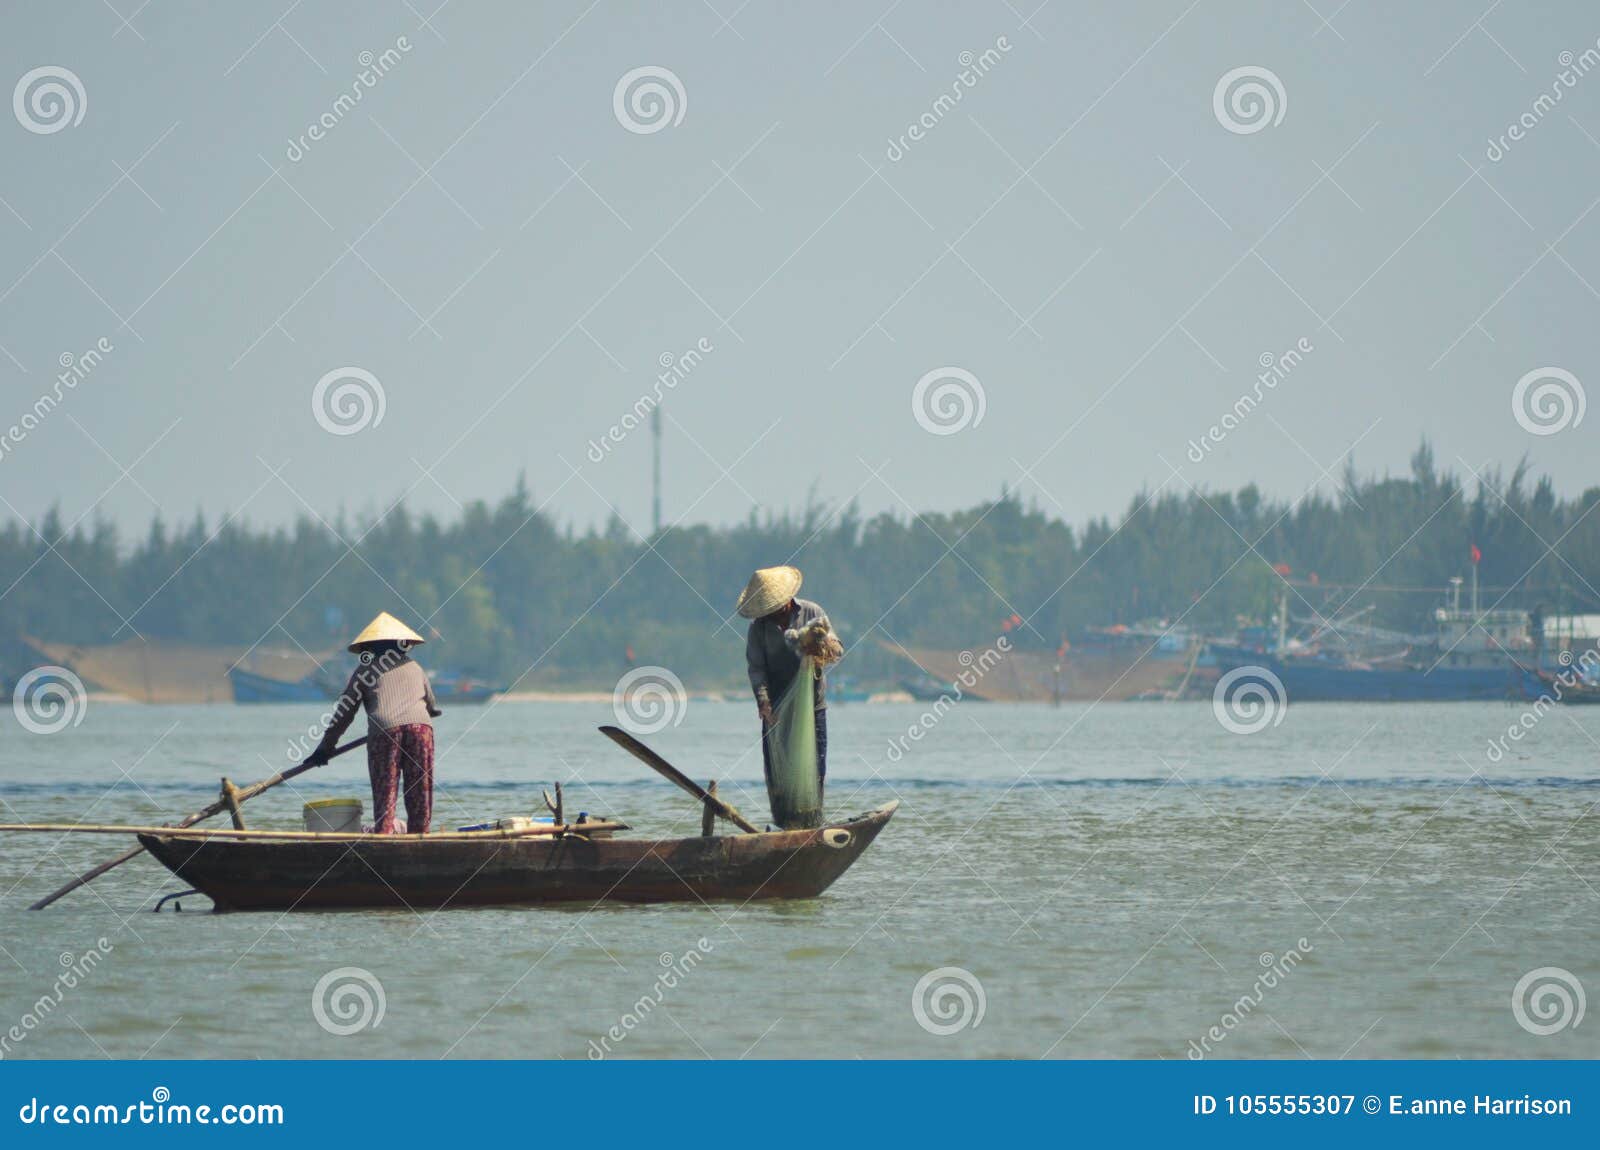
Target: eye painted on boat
x=836, y=837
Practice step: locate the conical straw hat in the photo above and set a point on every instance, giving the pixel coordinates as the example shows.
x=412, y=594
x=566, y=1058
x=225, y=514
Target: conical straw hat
x=768, y=589
x=385, y=626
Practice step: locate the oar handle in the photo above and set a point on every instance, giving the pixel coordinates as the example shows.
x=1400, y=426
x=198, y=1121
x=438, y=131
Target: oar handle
x=654, y=761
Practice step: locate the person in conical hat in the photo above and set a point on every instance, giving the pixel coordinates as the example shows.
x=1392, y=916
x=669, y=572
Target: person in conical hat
x=394, y=690
x=774, y=659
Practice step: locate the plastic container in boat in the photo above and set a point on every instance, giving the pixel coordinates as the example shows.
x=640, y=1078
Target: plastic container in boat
x=514, y=823
x=338, y=815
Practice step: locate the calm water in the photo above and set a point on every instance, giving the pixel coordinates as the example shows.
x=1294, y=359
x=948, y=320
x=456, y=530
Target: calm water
x=1112, y=878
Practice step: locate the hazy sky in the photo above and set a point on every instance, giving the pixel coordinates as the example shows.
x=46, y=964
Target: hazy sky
x=1080, y=233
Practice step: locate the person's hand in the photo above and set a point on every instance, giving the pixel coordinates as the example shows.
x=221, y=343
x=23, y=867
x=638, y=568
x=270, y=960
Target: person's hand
x=765, y=710
x=318, y=757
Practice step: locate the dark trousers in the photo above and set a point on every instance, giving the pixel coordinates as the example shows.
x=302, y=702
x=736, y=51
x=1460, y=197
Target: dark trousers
x=395, y=754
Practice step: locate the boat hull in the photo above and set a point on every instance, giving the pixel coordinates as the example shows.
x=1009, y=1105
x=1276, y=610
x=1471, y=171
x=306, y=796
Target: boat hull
x=403, y=871
x=253, y=688
x=1307, y=681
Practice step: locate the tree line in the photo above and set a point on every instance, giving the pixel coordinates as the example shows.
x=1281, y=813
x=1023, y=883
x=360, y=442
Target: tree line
x=514, y=596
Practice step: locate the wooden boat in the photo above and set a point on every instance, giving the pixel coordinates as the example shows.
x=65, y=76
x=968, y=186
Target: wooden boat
x=426, y=871
x=248, y=687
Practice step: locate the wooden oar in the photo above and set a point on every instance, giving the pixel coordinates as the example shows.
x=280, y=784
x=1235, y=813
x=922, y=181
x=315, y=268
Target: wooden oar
x=645, y=755
x=215, y=808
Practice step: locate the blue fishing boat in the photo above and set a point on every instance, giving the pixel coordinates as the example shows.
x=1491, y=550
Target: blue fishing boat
x=1473, y=655
x=1315, y=678
x=248, y=687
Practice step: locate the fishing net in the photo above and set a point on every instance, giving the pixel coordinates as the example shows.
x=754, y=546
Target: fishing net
x=793, y=782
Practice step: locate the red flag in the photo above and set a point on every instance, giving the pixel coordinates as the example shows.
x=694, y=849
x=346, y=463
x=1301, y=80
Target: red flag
x=1477, y=555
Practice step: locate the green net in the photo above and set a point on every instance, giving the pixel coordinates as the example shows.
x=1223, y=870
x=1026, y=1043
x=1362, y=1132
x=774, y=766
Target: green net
x=793, y=784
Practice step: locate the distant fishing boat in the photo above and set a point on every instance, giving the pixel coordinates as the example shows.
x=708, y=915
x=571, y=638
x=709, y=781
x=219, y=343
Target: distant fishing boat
x=249, y=687
x=1309, y=679
x=449, y=687
x=488, y=868
x=1473, y=655
x=163, y=671
x=454, y=687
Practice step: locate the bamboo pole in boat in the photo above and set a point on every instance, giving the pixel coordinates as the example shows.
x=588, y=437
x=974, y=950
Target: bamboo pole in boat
x=206, y=834
x=201, y=815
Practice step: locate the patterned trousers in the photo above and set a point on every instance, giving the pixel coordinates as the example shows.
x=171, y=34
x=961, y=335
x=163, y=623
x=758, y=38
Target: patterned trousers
x=401, y=752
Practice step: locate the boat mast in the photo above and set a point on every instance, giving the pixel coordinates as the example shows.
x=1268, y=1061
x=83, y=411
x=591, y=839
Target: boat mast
x=655, y=465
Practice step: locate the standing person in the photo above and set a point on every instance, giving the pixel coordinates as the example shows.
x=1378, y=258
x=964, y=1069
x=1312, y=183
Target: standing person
x=788, y=637
x=395, y=692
